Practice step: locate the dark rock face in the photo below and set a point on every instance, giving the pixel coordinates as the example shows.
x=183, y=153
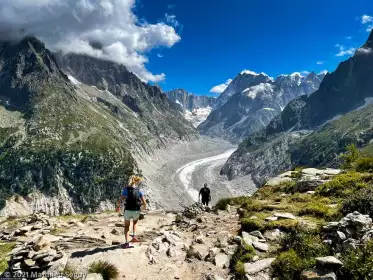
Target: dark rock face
x=189, y=101
x=335, y=115
x=148, y=101
x=250, y=110
x=25, y=67
x=74, y=142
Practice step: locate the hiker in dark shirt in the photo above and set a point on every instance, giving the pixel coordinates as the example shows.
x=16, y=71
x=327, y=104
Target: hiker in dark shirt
x=134, y=200
x=205, y=194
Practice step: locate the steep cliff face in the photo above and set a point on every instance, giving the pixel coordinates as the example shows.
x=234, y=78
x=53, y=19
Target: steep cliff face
x=73, y=142
x=152, y=106
x=189, y=101
x=337, y=114
x=252, y=109
x=194, y=108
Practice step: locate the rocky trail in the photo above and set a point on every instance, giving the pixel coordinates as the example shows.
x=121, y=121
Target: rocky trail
x=196, y=243
x=172, y=247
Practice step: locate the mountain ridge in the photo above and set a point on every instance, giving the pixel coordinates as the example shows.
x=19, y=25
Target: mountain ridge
x=69, y=147
x=313, y=130
x=251, y=109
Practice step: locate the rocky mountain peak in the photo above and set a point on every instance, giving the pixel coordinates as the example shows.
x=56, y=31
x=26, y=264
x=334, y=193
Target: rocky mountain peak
x=253, y=100
x=369, y=42
x=26, y=68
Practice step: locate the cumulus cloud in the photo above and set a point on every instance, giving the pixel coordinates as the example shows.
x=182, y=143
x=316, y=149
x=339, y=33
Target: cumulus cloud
x=320, y=62
x=344, y=51
x=106, y=29
x=368, y=21
x=220, y=88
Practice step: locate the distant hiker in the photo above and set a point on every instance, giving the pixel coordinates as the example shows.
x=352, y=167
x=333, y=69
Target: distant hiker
x=134, y=200
x=205, y=194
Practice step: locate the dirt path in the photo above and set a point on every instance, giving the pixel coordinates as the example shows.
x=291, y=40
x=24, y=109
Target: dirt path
x=208, y=231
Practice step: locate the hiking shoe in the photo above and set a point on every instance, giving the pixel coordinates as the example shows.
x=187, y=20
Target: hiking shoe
x=134, y=239
x=126, y=245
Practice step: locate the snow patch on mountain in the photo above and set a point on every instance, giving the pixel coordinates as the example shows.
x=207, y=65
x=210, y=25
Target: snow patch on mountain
x=73, y=80
x=253, y=91
x=197, y=116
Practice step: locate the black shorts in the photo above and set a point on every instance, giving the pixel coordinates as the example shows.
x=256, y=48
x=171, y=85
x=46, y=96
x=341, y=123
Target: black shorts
x=205, y=200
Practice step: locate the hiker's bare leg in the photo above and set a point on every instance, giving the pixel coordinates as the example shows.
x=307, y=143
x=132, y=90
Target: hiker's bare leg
x=134, y=227
x=127, y=230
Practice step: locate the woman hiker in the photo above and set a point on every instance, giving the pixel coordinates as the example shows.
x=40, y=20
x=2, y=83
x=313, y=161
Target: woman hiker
x=134, y=200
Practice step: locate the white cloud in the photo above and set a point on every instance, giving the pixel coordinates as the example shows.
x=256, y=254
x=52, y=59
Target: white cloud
x=320, y=62
x=220, y=88
x=348, y=37
x=365, y=19
x=79, y=25
x=171, y=19
x=160, y=55
x=343, y=51
x=364, y=50
x=305, y=72
x=323, y=72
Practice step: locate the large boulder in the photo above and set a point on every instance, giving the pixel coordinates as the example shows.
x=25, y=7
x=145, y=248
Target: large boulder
x=253, y=268
x=328, y=262
x=318, y=274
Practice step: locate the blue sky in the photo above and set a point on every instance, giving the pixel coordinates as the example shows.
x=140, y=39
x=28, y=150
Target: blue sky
x=219, y=38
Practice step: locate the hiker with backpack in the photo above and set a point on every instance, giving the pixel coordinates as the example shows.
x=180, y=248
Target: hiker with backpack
x=134, y=199
x=205, y=194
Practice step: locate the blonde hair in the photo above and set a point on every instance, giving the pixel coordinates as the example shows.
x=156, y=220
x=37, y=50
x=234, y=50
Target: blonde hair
x=134, y=179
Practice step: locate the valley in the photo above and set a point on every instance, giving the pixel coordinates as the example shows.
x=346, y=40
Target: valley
x=174, y=176
x=87, y=116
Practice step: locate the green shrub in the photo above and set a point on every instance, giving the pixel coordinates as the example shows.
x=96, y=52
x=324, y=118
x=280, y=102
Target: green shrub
x=239, y=268
x=358, y=264
x=283, y=224
x=299, y=197
x=297, y=175
x=361, y=201
x=248, y=224
x=364, y=164
x=314, y=209
x=4, y=250
x=105, y=268
x=350, y=157
x=320, y=210
x=300, y=247
x=307, y=243
x=243, y=254
x=289, y=266
x=345, y=184
x=223, y=203
x=71, y=272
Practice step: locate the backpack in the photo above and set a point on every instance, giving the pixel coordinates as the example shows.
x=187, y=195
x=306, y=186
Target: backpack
x=133, y=201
